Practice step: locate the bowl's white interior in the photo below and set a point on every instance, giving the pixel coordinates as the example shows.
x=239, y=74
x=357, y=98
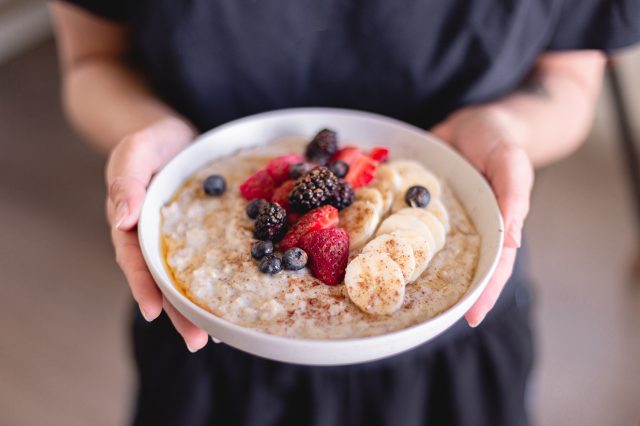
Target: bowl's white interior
x=365, y=129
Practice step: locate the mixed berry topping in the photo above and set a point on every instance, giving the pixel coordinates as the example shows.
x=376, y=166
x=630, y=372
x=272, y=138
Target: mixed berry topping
x=270, y=223
x=294, y=259
x=313, y=189
x=417, y=196
x=305, y=195
x=323, y=146
x=214, y=185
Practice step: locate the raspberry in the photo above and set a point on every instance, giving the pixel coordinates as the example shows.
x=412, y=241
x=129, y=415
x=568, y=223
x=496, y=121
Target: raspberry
x=270, y=223
x=258, y=185
x=320, y=218
x=322, y=147
x=313, y=190
x=328, y=251
x=278, y=168
x=343, y=196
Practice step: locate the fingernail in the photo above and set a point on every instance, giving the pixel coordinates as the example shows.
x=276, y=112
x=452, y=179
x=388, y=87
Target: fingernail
x=476, y=322
x=215, y=340
x=192, y=350
x=515, y=233
x=145, y=315
x=122, y=211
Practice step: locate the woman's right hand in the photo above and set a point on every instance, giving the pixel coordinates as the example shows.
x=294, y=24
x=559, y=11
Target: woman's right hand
x=130, y=167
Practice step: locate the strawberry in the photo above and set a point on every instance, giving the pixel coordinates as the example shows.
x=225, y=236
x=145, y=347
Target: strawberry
x=347, y=154
x=379, y=153
x=328, y=251
x=361, y=171
x=281, y=194
x=318, y=218
x=258, y=185
x=278, y=168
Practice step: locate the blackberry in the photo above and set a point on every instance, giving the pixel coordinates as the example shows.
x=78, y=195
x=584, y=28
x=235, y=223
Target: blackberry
x=322, y=147
x=417, y=196
x=313, y=190
x=296, y=171
x=339, y=168
x=260, y=249
x=254, y=206
x=343, y=196
x=294, y=259
x=270, y=223
x=214, y=185
x=270, y=264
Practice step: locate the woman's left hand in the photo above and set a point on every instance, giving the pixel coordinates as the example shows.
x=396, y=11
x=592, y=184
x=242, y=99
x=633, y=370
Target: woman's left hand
x=491, y=139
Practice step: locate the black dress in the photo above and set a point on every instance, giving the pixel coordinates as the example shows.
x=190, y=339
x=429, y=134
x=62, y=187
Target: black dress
x=416, y=60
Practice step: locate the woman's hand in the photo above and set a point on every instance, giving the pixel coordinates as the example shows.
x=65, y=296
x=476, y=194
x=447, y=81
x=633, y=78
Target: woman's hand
x=492, y=139
x=131, y=165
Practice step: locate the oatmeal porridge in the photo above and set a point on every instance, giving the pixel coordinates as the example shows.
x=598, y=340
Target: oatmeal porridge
x=400, y=251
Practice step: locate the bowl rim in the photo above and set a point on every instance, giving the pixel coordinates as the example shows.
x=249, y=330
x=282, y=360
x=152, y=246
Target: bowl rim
x=469, y=297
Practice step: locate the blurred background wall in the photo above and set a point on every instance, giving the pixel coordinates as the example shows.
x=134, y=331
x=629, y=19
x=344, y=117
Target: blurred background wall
x=65, y=308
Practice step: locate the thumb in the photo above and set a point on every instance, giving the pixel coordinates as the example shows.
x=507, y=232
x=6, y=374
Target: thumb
x=126, y=193
x=134, y=161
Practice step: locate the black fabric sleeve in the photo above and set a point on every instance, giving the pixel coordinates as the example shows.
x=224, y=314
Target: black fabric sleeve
x=596, y=24
x=114, y=10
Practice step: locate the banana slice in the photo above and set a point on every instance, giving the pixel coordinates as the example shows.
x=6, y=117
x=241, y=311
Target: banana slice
x=439, y=210
x=435, y=206
x=374, y=283
x=371, y=195
x=423, y=251
x=412, y=223
x=388, y=182
x=413, y=173
x=398, y=248
x=360, y=220
x=431, y=221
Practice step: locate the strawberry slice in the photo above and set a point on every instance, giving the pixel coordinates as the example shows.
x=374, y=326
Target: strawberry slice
x=281, y=194
x=319, y=218
x=328, y=251
x=347, y=154
x=258, y=185
x=278, y=168
x=379, y=153
x=361, y=171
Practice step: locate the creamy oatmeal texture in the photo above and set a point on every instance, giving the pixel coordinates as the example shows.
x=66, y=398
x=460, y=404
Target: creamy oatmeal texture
x=207, y=244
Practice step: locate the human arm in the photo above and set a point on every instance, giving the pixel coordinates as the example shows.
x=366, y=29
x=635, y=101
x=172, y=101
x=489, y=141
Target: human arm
x=542, y=122
x=116, y=111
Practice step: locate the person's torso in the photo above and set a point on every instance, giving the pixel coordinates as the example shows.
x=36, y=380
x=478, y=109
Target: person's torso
x=416, y=60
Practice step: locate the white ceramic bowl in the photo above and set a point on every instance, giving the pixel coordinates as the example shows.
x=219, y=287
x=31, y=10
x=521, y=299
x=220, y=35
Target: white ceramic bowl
x=366, y=129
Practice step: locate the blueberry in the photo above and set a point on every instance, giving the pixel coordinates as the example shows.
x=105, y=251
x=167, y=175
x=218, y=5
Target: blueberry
x=270, y=264
x=298, y=170
x=254, y=206
x=417, y=196
x=214, y=185
x=294, y=259
x=339, y=168
x=260, y=249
